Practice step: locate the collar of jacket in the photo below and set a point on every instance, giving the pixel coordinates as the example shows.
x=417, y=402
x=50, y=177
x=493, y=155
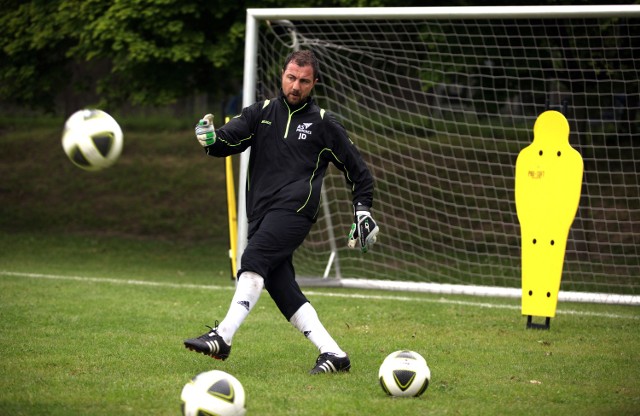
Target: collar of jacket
x=293, y=108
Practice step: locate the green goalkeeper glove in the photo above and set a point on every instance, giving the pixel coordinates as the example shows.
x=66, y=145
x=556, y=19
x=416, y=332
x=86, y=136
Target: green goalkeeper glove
x=205, y=132
x=363, y=230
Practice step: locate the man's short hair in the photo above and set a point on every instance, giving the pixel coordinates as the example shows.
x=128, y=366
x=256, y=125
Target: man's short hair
x=303, y=58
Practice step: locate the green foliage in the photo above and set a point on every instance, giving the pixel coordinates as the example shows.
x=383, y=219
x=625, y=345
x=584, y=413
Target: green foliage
x=142, y=52
x=148, y=43
x=32, y=53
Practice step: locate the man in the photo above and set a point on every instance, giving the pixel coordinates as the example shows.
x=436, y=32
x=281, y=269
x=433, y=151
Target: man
x=292, y=142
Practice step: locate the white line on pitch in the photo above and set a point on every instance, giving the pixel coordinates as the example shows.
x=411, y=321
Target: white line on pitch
x=113, y=281
x=312, y=293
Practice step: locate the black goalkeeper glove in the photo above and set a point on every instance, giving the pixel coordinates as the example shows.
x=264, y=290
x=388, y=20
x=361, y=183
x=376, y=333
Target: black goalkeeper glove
x=363, y=230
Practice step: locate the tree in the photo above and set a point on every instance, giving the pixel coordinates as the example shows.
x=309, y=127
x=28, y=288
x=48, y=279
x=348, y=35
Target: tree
x=32, y=55
x=142, y=52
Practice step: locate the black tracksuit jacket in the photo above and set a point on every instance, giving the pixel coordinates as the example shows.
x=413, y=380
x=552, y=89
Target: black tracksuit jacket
x=291, y=148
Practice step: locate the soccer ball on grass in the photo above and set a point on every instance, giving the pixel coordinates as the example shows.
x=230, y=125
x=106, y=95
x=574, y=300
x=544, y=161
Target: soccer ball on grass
x=404, y=373
x=92, y=139
x=213, y=393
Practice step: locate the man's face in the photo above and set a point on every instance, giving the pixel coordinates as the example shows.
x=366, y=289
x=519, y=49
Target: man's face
x=297, y=82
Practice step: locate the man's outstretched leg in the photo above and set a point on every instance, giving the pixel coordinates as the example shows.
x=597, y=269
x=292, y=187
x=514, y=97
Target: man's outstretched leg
x=217, y=342
x=331, y=359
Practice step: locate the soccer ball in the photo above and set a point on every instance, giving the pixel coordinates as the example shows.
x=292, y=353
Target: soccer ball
x=213, y=393
x=92, y=139
x=404, y=373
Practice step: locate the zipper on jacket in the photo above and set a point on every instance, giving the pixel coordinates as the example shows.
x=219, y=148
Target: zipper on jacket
x=286, y=131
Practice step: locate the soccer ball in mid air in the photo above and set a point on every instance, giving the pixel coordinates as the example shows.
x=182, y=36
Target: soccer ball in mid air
x=404, y=373
x=92, y=139
x=213, y=393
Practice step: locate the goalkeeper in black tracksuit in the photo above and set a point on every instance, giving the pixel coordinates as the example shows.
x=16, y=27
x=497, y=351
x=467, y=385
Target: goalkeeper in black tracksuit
x=292, y=141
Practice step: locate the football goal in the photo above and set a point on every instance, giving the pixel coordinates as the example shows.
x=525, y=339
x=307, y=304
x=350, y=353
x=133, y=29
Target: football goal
x=440, y=101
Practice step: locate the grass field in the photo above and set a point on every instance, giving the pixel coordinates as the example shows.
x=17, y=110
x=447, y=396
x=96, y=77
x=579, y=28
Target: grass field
x=95, y=326
x=103, y=275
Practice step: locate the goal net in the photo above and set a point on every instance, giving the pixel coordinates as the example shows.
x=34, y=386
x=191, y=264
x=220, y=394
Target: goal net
x=440, y=101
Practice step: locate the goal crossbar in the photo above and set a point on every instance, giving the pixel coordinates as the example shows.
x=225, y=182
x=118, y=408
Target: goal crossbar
x=471, y=12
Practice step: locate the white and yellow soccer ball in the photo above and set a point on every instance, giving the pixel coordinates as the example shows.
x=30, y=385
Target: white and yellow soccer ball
x=404, y=373
x=92, y=139
x=213, y=393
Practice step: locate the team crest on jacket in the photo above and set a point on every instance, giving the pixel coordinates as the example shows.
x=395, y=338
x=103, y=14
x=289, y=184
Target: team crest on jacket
x=303, y=130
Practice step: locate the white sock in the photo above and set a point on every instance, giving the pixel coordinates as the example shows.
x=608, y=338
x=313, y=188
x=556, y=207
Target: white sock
x=306, y=321
x=248, y=290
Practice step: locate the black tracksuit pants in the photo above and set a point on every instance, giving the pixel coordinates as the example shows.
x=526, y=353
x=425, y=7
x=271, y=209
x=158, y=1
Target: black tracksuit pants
x=272, y=240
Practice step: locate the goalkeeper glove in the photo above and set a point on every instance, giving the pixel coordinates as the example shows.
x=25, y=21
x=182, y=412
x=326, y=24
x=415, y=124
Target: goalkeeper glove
x=363, y=230
x=205, y=132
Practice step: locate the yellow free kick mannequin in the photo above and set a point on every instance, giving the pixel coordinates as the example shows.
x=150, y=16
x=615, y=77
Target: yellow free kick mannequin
x=548, y=184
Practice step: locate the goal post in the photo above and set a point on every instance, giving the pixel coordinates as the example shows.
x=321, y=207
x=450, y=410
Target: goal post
x=439, y=101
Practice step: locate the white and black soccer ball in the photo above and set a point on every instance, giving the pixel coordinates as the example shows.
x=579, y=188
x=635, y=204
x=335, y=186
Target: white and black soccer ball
x=92, y=139
x=213, y=393
x=404, y=373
